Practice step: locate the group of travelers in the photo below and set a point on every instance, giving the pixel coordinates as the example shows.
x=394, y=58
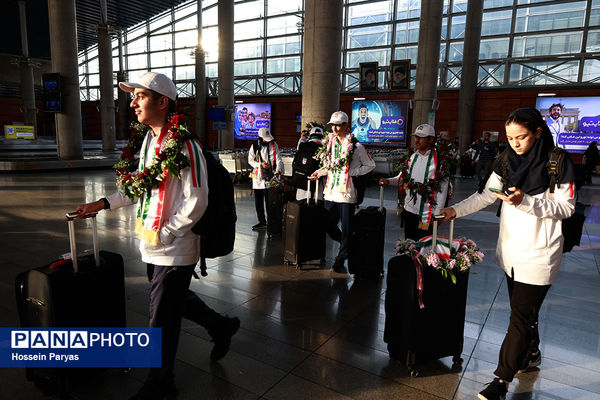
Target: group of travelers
x=529, y=248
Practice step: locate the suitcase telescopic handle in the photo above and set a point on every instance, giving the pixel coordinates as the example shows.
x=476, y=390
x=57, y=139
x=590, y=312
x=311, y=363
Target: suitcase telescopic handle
x=308, y=194
x=436, y=219
x=380, y=197
x=71, y=223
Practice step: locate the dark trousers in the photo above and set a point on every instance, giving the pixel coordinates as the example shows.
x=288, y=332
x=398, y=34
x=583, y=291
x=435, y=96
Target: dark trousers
x=589, y=169
x=345, y=213
x=411, y=226
x=260, y=202
x=522, y=337
x=481, y=168
x=170, y=300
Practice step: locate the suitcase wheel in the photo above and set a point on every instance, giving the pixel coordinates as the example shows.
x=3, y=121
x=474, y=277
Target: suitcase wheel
x=413, y=372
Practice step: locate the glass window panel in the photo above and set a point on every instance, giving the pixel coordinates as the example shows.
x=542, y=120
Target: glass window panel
x=94, y=94
x=283, y=46
x=161, y=42
x=456, y=51
x=187, y=23
x=496, y=3
x=248, y=30
x=281, y=65
x=212, y=70
x=406, y=53
x=460, y=6
x=167, y=71
x=115, y=63
x=136, y=31
x=94, y=79
x=283, y=25
x=282, y=7
x=494, y=48
x=595, y=13
x=444, y=32
x=93, y=66
x=138, y=46
x=185, y=73
x=529, y=74
x=593, y=42
x=380, y=35
x=210, y=43
x=369, y=13
x=250, y=10
x=248, y=49
x=82, y=69
x=185, y=90
x=351, y=82
x=277, y=86
x=407, y=32
x=161, y=21
x=137, y=61
x=457, y=30
x=565, y=43
x=453, y=79
x=496, y=23
x=442, y=52
x=92, y=53
x=161, y=59
x=408, y=9
x=210, y=16
x=356, y=57
x=187, y=9
x=491, y=75
x=185, y=56
x=247, y=68
x=556, y=16
x=591, y=70
x=186, y=39
x=244, y=86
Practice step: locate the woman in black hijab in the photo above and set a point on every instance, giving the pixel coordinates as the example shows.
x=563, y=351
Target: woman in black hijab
x=530, y=241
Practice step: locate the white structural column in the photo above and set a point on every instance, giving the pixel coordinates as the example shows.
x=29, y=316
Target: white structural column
x=107, y=101
x=200, y=84
x=63, y=48
x=321, y=60
x=225, y=63
x=430, y=28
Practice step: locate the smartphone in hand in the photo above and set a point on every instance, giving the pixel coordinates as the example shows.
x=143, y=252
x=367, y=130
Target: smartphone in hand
x=499, y=191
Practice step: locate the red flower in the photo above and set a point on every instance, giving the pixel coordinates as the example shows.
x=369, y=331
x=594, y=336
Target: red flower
x=127, y=153
x=177, y=119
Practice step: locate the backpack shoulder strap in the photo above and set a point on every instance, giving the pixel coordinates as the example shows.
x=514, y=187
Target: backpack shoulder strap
x=554, y=165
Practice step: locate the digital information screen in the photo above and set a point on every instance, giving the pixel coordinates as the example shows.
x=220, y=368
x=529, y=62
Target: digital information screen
x=381, y=122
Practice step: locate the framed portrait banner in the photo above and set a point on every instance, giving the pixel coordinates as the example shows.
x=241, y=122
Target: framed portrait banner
x=368, y=76
x=399, y=74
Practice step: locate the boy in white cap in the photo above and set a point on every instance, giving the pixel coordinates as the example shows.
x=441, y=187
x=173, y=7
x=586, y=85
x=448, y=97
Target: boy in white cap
x=265, y=159
x=166, y=214
x=343, y=159
x=421, y=167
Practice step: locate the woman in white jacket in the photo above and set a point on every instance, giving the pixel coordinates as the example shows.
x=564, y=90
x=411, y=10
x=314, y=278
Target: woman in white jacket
x=530, y=241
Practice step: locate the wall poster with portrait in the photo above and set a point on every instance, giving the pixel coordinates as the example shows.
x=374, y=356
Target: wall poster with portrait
x=399, y=74
x=368, y=76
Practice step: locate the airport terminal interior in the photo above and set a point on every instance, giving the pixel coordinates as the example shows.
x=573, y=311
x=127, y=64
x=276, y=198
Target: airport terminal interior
x=309, y=333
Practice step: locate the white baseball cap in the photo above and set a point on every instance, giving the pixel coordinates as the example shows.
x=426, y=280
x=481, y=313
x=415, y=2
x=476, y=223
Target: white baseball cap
x=265, y=134
x=424, y=130
x=317, y=131
x=160, y=83
x=338, y=118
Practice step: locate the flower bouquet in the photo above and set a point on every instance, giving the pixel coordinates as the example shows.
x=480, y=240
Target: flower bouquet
x=449, y=260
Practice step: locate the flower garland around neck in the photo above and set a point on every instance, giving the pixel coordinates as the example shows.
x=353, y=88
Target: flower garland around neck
x=428, y=189
x=169, y=161
x=324, y=153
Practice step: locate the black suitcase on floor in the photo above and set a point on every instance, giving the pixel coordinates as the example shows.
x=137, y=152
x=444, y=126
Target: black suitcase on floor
x=80, y=293
x=275, y=200
x=417, y=335
x=305, y=230
x=367, y=241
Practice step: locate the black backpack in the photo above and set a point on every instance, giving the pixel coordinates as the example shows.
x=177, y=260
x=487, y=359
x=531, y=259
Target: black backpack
x=304, y=163
x=217, y=225
x=572, y=227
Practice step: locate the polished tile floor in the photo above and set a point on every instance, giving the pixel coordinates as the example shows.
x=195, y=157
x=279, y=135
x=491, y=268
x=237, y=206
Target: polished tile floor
x=306, y=334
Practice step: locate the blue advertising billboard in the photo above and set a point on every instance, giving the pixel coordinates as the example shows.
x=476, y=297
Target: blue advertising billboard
x=573, y=121
x=381, y=122
x=249, y=118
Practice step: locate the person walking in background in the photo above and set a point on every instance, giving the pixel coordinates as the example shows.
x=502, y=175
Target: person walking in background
x=167, y=210
x=530, y=240
x=591, y=160
x=265, y=159
x=421, y=170
x=486, y=153
x=342, y=159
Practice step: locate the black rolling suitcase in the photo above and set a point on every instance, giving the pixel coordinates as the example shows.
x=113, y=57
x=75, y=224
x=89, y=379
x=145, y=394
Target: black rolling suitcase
x=367, y=241
x=305, y=230
x=88, y=291
x=417, y=335
x=275, y=200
